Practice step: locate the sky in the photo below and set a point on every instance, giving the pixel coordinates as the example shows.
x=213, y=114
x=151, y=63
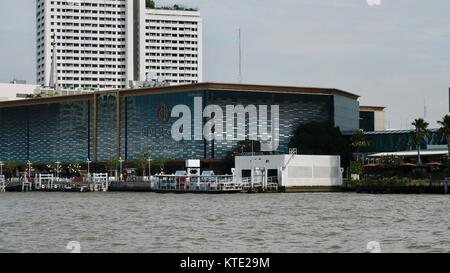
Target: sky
x=396, y=54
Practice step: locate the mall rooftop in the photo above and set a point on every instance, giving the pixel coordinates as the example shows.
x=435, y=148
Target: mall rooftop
x=186, y=88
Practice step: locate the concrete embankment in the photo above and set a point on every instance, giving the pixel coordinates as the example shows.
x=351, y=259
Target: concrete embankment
x=397, y=189
x=130, y=187
x=311, y=189
x=435, y=187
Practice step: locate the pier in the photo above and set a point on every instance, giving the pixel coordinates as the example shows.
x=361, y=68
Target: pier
x=253, y=174
x=413, y=187
x=260, y=184
x=215, y=184
x=196, y=184
x=100, y=182
x=2, y=183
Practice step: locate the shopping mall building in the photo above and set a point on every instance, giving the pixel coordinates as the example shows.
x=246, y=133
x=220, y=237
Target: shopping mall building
x=127, y=123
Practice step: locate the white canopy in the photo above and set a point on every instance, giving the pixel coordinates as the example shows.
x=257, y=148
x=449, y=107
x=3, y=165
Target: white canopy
x=412, y=153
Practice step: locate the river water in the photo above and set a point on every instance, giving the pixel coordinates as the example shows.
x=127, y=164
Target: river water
x=149, y=222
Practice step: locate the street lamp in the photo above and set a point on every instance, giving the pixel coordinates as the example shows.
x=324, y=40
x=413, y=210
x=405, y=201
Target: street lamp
x=149, y=168
x=88, y=161
x=121, y=162
x=57, y=168
x=29, y=168
x=1, y=167
x=252, y=173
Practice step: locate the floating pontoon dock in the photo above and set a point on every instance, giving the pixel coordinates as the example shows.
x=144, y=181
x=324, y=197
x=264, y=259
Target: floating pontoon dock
x=196, y=184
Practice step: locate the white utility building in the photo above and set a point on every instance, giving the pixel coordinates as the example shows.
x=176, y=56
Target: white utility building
x=16, y=91
x=292, y=170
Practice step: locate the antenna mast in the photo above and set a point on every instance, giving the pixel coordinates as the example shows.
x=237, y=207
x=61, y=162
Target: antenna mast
x=54, y=69
x=240, y=58
x=425, y=109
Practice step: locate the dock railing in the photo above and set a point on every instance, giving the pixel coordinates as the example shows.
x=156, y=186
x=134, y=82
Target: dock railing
x=273, y=183
x=26, y=184
x=259, y=183
x=100, y=182
x=195, y=183
x=2, y=183
x=446, y=182
x=44, y=181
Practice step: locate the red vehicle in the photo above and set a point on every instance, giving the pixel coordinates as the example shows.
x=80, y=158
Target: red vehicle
x=182, y=179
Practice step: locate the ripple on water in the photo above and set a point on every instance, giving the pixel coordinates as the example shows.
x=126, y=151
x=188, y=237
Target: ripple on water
x=127, y=222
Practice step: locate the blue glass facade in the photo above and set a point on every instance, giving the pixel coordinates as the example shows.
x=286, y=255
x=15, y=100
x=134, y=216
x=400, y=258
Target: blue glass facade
x=44, y=133
x=367, y=121
x=102, y=125
x=106, y=126
x=346, y=113
x=143, y=130
x=295, y=109
x=14, y=134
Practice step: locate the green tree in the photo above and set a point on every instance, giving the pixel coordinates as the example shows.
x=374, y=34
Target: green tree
x=74, y=168
x=160, y=162
x=359, y=140
x=317, y=138
x=356, y=168
x=142, y=161
x=54, y=167
x=111, y=164
x=445, y=129
x=150, y=4
x=420, y=132
x=11, y=167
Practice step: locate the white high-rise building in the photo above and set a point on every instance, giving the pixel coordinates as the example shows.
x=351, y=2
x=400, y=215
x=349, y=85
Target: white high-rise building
x=92, y=39
x=169, y=44
x=108, y=43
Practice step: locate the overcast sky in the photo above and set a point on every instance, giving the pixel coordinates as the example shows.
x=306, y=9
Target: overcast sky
x=396, y=54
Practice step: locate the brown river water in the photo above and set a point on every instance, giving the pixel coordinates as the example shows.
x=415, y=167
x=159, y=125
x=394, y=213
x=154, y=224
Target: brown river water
x=150, y=222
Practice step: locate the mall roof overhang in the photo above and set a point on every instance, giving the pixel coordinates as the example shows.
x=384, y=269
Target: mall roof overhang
x=371, y=108
x=184, y=88
x=411, y=153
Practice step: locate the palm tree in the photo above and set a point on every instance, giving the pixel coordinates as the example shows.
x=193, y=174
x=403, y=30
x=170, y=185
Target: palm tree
x=111, y=164
x=142, y=161
x=420, y=132
x=445, y=129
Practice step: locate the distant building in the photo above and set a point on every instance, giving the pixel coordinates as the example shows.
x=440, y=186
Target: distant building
x=16, y=90
x=400, y=143
x=15, y=81
x=372, y=118
x=105, y=44
x=169, y=45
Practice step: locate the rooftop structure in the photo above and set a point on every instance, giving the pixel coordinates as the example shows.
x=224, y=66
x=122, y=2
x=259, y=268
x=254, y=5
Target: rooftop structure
x=372, y=118
x=16, y=90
